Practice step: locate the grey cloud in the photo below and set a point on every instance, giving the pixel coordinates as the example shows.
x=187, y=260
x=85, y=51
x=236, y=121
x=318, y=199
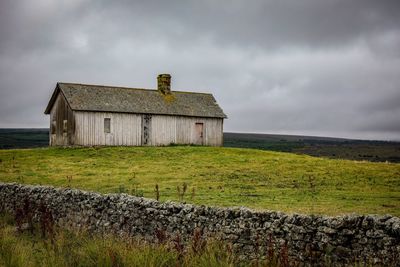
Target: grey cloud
x=304, y=66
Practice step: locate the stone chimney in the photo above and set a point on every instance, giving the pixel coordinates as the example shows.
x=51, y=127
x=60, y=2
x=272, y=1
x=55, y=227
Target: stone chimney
x=164, y=84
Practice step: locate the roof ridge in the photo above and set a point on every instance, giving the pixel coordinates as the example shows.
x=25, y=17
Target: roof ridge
x=130, y=88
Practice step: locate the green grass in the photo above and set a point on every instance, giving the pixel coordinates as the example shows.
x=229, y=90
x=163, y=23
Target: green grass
x=215, y=176
x=66, y=248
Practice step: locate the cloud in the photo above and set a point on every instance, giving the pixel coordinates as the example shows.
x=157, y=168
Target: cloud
x=300, y=67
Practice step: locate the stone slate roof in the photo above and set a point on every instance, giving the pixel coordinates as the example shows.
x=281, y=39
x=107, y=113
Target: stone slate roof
x=85, y=97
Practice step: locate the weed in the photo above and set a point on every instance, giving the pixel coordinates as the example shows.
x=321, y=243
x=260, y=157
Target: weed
x=19, y=218
x=193, y=194
x=229, y=250
x=161, y=236
x=257, y=250
x=284, y=256
x=311, y=182
x=46, y=222
x=20, y=179
x=121, y=189
x=69, y=179
x=179, y=247
x=135, y=191
x=134, y=187
x=115, y=258
x=157, y=192
x=198, y=242
x=13, y=161
x=313, y=191
x=181, y=192
x=24, y=216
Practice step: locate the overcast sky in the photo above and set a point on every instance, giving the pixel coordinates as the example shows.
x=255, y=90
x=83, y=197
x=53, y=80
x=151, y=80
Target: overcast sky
x=313, y=67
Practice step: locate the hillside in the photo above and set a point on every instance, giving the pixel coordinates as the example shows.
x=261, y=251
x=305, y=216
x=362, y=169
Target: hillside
x=215, y=176
x=337, y=148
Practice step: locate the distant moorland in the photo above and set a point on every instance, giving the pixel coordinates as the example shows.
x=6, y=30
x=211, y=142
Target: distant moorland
x=24, y=138
x=336, y=148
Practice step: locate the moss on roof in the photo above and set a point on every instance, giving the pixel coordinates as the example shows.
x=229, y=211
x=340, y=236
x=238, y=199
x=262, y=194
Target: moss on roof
x=85, y=97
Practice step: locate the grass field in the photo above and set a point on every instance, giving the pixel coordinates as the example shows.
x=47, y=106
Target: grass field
x=215, y=176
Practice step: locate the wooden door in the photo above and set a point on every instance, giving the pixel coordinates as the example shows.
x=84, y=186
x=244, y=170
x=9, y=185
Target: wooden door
x=199, y=128
x=146, y=129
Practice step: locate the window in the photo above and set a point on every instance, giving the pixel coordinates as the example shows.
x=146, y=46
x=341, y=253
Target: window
x=65, y=126
x=53, y=127
x=107, y=125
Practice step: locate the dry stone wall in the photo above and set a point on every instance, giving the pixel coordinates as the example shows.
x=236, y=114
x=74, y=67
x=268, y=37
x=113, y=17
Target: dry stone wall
x=304, y=238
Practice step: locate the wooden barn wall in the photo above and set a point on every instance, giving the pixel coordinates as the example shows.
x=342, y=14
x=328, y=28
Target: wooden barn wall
x=125, y=129
x=166, y=130
x=61, y=135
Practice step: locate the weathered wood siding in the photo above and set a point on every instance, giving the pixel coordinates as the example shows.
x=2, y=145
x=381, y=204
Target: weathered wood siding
x=62, y=123
x=125, y=129
x=166, y=130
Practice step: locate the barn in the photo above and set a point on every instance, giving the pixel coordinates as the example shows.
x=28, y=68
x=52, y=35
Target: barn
x=96, y=115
